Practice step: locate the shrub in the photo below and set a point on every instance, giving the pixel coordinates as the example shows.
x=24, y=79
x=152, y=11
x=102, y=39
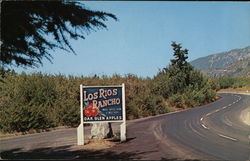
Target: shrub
x=176, y=100
x=23, y=118
x=155, y=104
x=25, y=101
x=232, y=82
x=40, y=101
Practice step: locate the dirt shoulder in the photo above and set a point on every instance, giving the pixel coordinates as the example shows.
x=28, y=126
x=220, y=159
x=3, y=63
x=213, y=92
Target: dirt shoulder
x=245, y=116
x=237, y=90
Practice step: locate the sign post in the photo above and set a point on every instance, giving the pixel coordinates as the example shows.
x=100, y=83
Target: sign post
x=102, y=104
x=123, y=125
x=80, y=128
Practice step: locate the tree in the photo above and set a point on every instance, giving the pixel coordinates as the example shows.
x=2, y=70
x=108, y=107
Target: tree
x=179, y=70
x=180, y=55
x=174, y=78
x=180, y=83
x=30, y=29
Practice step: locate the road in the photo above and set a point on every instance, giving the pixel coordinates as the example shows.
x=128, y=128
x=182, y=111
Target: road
x=211, y=132
x=214, y=131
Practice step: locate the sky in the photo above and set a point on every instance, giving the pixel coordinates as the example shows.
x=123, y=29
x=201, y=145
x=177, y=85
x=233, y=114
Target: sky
x=140, y=41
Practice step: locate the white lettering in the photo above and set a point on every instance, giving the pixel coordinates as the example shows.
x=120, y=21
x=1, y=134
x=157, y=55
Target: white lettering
x=102, y=93
x=114, y=92
x=109, y=92
x=85, y=96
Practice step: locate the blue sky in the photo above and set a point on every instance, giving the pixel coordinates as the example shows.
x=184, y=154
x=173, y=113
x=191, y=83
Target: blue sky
x=140, y=42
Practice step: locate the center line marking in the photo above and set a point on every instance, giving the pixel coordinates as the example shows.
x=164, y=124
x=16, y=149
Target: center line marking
x=227, y=137
x=204, y=126
x=208, y=114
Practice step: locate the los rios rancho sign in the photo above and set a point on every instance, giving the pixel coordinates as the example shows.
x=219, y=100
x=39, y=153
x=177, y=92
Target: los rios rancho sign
x=102, y=104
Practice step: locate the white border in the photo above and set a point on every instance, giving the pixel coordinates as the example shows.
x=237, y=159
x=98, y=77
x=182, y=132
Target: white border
x=81, y=102
x=102, y=86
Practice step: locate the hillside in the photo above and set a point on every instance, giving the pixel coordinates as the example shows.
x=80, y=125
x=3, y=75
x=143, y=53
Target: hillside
x=235, y=63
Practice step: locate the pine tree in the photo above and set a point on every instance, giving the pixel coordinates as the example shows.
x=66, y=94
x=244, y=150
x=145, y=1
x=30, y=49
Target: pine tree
x=30, y=29
x=180, y=56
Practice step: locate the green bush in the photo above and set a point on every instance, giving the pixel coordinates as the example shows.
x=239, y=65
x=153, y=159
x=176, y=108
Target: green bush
x=209, y=94
x=214, y=84
x=184, y=87
x=176, y=100
x=160, y=85
x=23, y=118
x=140, y=102
x=25, y=101
x=155, y=104
x=232, y=82
x=191, y=97
x=40, y=101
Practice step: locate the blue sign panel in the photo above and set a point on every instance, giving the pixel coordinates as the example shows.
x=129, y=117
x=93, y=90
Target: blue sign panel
x=102, y=104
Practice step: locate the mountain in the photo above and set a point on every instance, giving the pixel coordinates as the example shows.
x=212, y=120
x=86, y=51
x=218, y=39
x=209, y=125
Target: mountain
x=235, y=63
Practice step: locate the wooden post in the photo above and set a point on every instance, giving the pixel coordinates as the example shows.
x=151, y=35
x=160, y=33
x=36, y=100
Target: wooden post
x=123, y=125
x=80, y=134
x=80, y=128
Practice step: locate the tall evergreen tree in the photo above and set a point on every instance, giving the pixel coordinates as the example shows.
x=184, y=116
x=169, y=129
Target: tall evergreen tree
x=180, y=55
x=180, y=83
x=30, y=29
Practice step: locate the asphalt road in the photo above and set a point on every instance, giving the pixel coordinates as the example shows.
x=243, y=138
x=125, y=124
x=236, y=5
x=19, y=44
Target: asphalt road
x=214, y=131
x=210, y=132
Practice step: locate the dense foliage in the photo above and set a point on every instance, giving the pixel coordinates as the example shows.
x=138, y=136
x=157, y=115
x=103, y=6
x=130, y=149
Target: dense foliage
x=39, y=101
x=232, y=82
x=181, y=84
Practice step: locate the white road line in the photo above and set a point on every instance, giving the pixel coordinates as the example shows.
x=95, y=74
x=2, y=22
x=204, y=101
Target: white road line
x=217, y=110
x=227, y=137
x=208, y=114
x=195, y=130
x=201, y=119
x=230, y=105
x=224, y=107
x=204, y=126
x=228, y=122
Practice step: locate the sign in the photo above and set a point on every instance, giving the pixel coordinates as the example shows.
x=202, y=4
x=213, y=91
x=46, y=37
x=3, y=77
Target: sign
x=102, y=104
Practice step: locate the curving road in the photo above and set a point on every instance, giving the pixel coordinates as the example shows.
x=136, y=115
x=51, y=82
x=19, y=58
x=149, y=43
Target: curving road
x=211, y=132
x=214, y=131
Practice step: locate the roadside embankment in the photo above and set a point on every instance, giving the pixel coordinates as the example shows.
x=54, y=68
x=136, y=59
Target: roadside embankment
x=238, y=91
x=245, y=116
